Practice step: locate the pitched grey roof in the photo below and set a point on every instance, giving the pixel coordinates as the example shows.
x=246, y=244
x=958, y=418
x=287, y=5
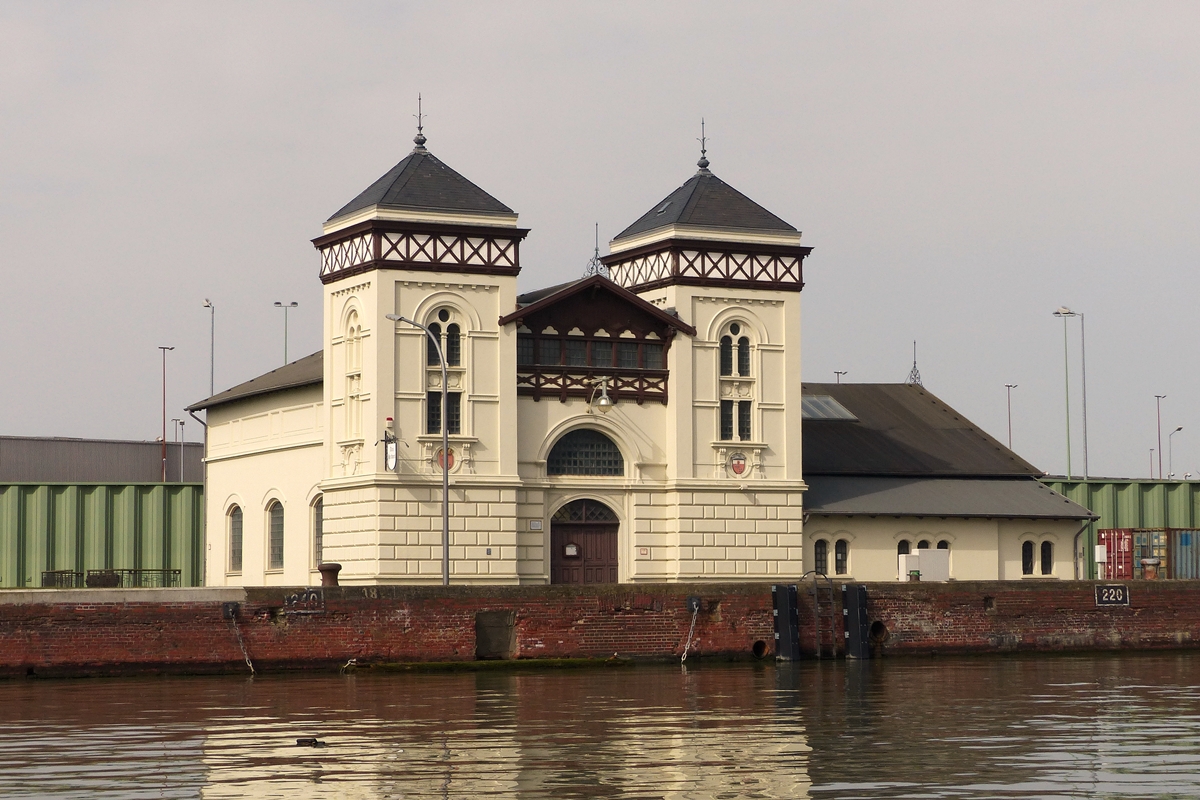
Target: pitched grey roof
x=707, y=201
x=302, y=372
x=421, y=180
x=901, y=430
x=1023, y=498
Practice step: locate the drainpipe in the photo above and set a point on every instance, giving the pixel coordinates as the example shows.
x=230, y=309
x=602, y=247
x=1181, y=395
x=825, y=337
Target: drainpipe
x=1075, y=546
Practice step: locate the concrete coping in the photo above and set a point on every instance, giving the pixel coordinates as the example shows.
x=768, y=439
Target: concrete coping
x=75, y=597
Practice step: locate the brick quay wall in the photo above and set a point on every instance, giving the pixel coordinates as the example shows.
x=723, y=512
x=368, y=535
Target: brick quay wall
x=116, y=631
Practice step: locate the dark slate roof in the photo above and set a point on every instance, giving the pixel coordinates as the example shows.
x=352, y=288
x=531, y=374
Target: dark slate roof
x=707, y=201
x=589, y=291
x=422, y=181
x=901, y=430
x=1024, y=498
x=302, y=372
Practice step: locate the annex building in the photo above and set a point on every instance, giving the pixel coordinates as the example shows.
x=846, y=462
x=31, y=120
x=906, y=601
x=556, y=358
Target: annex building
x=645, y=426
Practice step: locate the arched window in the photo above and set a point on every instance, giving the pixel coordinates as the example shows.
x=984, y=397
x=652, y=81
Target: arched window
x=235, y=539
x=585, y=452
x=318, y=524
x=585, y=511
x=744, y=357
x=275, y=536
x=923, y=544
x=904, y=547
x=453, y=345
x=726, y=356
x=431, y=351
x=353, y=341
x=821, y=557
x=735, y=416
x=1027, y=558
x=841, y=557
x=1047, y=558
x=943, y=545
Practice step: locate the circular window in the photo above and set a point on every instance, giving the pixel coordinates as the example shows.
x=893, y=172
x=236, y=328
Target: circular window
x=443, y=315
x=735, y=329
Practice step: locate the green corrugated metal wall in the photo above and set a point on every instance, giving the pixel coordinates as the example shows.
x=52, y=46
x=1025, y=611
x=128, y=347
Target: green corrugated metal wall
x=100, y=526
x=1132, y=504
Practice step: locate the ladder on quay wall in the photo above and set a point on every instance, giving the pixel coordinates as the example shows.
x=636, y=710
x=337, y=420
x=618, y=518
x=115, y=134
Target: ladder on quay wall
x=824, y=616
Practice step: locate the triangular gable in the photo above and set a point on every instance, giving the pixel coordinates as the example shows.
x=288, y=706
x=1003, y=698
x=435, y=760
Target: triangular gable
x=596, y=303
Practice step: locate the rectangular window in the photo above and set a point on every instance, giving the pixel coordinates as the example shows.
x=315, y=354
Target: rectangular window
x=653, y=353
x=744, y=420
x=433, y=412
x=627, y=355
x=726, y=420
x=549, y=351
x=602, y=354
x=524, y=351
x=576, y=353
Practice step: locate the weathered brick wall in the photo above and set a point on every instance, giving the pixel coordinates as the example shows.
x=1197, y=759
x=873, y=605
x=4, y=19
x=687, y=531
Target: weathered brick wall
x=974, y=617
x=117, y=631
x=372, y=624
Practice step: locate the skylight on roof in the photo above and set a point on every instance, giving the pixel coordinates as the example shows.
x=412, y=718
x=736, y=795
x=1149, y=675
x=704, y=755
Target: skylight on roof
x=663, y=208
x=822, y=406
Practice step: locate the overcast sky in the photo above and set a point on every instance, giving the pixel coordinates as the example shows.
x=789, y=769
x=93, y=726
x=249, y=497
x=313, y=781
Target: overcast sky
x=961, y=169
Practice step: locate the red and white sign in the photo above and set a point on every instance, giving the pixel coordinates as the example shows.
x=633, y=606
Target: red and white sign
x=737, y=463
x=441, y=460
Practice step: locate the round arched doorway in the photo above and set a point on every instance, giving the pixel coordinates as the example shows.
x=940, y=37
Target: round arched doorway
x=583, y=543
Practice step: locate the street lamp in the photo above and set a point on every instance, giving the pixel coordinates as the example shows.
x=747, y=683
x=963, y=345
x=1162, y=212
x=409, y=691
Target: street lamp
x=1158, y=398
x=285, y=307
x=182, y=440
x=175, y=430
x=1065, y=312
x=1010, y=387
x=164, y=410
x=212, y=346
x=1171, y=453
x=445, y=447
x=839, y=373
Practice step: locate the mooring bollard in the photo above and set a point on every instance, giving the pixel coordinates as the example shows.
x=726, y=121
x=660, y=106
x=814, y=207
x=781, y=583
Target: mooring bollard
x=1150, y=568
x=329, y=574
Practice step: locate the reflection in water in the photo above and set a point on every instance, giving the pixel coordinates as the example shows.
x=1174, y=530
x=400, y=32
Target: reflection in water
x=1116, y=726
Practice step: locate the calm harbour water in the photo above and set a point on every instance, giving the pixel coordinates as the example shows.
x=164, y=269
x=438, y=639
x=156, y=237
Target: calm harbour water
x=1012, y=727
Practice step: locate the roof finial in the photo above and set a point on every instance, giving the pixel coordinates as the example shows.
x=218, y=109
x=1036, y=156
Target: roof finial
x=595, y=266
x=703, y=140
x=419, y=139
x=914, y=377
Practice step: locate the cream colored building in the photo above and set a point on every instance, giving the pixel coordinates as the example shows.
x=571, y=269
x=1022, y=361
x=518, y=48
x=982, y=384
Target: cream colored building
x=645, y=426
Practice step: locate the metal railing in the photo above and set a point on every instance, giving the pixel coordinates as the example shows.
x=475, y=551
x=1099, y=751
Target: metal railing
x=112, y=579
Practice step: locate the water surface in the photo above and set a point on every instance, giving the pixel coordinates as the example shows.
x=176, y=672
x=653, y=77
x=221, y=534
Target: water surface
x=1015, y=727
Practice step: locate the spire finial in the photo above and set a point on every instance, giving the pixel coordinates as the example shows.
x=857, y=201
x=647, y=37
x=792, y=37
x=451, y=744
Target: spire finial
x=703, y=140
x=914, y=377
x=595, y=266
x=419, y=139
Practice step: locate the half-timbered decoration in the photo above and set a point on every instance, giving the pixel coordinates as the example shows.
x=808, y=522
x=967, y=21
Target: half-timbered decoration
x=590, y=333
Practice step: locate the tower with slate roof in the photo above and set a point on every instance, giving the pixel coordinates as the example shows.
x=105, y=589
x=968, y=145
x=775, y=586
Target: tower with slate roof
x=425, y=243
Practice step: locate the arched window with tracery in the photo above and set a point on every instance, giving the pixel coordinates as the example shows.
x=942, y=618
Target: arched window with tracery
x=585, y=452
x=736, y=390
x=449, y=335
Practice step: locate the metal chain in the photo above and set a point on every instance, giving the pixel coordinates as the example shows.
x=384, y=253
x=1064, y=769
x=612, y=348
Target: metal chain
x=688, y=644
x=238, y=632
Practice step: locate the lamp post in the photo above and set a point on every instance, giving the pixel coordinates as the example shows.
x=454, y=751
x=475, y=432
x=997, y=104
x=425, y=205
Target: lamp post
x=1065, y=312
x=1158, y=398
x=1171, y=453
x=175, y=433
x=1010, y=387
x=212, y=346
x=181, y=448
x=164, y=410
x=445, y=448
x=285, y=307
x=839, y=373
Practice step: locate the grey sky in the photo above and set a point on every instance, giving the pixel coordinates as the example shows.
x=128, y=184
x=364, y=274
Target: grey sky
x=962, y=169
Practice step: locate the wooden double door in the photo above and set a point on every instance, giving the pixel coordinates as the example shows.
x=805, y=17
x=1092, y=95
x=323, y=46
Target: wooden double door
x=583, y=543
